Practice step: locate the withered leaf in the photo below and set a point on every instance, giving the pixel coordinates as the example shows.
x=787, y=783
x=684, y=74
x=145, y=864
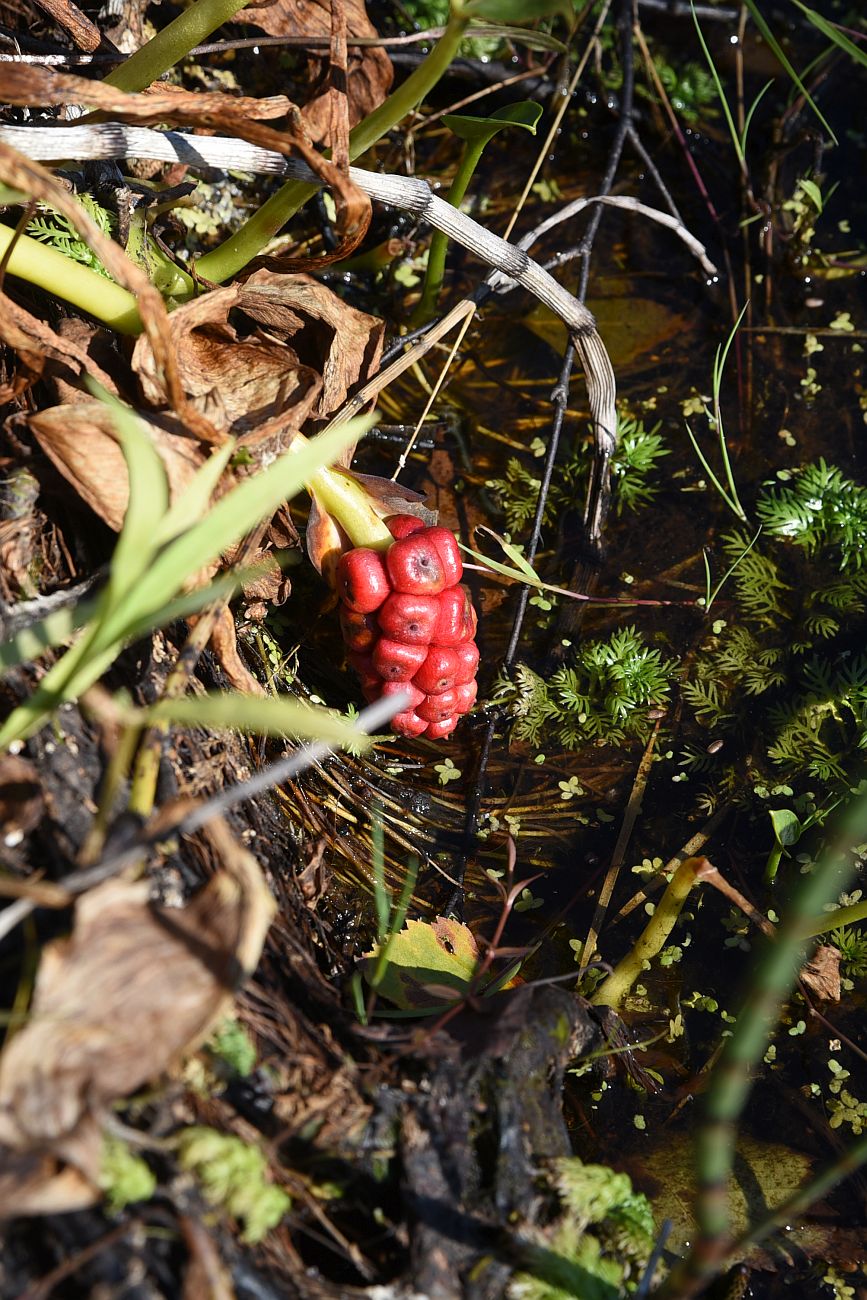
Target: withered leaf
x=32, y=85
x=369, y=71
x=821, y=973
x=43, y=352
x=292, y=350
x=252, y=387
x=81, y=442
x=117, y=1003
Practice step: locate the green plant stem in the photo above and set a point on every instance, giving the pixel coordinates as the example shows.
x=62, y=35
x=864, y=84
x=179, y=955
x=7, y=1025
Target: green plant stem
x=239, y=249
x=436, y=258
x=173, y=43
x=343, y=497
x=51, y=270
x=614, y=989
x=731, y=1082
x=836, y=920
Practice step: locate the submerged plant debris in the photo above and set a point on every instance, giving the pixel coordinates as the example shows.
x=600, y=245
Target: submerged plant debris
x=560, y=991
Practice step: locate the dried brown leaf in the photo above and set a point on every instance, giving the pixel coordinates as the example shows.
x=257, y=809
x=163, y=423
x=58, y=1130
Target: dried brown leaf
x=269, y=391
x=81, y=442
x=44, y=352
x=369, y=71
x=31, y=1183
x=224, y=643
x=122, y=999
x=293, y=350
x=821, y=973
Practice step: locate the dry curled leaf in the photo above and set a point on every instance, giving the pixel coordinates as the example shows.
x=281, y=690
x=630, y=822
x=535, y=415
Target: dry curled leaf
x=293, y=350
x=369, y=71
x=42, y=352
x=121, y=1000
x=81, y=442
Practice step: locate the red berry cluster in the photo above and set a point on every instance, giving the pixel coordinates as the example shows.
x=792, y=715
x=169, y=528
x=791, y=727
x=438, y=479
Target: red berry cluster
x=409, y=626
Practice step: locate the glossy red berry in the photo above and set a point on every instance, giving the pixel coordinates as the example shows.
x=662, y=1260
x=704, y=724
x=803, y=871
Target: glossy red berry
x=467, y=656
x=404, y=525
x=362, y=581
x=465, y=696
x=411, y=619
x=437, y=730
x=414, y=566
x=409, y=626
x=409, y=724
x=360, y=631
x=439, y=672
x=449, y=552
x=415, y=695
x=396, y=662
x=456, y=619
x=436, y=708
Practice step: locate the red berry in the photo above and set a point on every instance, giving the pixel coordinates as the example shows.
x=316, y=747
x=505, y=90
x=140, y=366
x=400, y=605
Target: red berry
x=456, y=621
x=410, y=619
x=414, y=566
x=436, y=708
x=466, y=696
x=359, y=630
x=449, y=552
x=396, y=662
x=439, y=671
x=467, y=656
x=409, y=724
x=436, y=730
x=395, y=688
x=362, y=580
x=404, y=525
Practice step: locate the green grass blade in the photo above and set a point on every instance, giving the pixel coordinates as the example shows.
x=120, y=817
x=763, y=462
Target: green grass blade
x=749, y=117
x=270, y=715
x=775, y=46
x=730, y=122
x=234, y=515
x=193, y=502
x=829, y=30
x=53, y=630
x=148, y=497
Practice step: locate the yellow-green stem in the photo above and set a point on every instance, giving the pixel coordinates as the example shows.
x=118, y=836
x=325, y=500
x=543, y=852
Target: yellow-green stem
x=51, y=270
x=614, y=989
x=345, y=500
x=173, y=43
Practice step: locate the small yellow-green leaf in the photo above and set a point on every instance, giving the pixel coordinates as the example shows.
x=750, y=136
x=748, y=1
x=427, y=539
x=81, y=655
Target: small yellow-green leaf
x=426, y=960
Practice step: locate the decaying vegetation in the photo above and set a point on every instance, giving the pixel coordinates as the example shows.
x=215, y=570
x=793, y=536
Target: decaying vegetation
x=566, y=1002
